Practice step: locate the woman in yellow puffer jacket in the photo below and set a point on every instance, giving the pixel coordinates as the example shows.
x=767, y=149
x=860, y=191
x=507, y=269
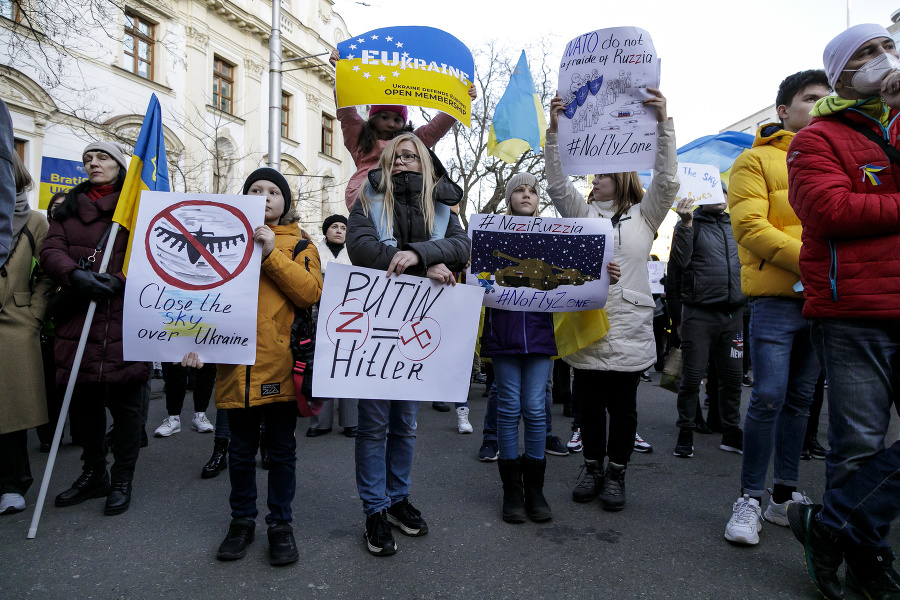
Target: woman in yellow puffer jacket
x=290, y=278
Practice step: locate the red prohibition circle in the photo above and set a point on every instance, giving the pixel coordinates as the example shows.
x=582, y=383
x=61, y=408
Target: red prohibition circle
x=342, y=322
x=411, y=323
x=171, y=280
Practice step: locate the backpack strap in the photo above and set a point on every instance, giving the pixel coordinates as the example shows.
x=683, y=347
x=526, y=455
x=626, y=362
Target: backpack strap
x=30, y=237
x=892, y=153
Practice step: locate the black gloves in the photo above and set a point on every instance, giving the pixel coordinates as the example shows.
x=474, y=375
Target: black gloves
x=95, y=286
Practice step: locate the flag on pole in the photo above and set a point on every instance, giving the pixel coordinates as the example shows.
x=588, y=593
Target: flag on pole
x=519, y=122
x=147, y=170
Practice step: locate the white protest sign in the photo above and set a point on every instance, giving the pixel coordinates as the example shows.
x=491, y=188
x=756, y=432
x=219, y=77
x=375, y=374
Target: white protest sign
x=394, y=338
x=193, y=279
x=657, y=271
x=701, y=182
x=603, y=79
x=538, y=264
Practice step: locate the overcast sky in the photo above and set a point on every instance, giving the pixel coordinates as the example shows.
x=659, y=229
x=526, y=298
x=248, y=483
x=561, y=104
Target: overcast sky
x=721, y=60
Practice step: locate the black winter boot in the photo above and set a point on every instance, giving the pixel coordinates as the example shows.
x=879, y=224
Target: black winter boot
x=533, y=479
x=613, y=496
x=591, y=482
x=513, y=494
x=218, y=462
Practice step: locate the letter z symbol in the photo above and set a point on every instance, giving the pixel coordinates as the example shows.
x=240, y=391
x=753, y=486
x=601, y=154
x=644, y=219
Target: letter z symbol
x=356, y=317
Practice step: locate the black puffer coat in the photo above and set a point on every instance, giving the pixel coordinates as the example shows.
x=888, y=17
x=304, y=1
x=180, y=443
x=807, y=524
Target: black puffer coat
x=705, y=260
x=366, y=250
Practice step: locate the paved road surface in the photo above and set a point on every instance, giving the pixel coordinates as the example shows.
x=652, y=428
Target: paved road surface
x=667, y=543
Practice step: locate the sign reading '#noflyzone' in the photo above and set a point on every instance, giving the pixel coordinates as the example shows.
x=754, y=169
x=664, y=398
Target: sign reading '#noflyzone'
x=603, y=79
x=413, y=66
x=401, y=338
x=538, y=264
x=193, y=279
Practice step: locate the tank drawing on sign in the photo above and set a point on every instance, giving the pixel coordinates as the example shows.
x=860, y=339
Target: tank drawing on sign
x=535, y=273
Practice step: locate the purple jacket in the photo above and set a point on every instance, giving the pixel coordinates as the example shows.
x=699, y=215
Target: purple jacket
x=508, y=332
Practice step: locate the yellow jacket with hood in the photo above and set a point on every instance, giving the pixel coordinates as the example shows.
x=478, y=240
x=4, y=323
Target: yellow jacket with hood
x=285, y=281
x=765, y=226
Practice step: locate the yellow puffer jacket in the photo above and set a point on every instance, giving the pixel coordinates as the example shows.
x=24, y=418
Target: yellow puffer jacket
x=765, y=226
x=285, y=281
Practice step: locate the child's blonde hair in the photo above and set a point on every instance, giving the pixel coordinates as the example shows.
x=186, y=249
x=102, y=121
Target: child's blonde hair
x=386, y=187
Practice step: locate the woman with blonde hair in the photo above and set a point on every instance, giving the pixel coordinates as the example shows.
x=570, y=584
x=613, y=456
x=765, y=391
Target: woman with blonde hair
x=401, y=223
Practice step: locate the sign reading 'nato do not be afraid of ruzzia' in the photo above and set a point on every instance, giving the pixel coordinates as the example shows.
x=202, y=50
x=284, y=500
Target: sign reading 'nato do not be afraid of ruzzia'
x=413, y=66
x=603, y=79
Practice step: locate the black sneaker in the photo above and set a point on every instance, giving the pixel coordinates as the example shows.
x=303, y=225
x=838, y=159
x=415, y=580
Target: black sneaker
x=733, y=441
x=241, y=533
x=815, y=449
x=645, y=376
x=684, y=447
x=405, y=516
x=746, y=381
x=823, y=556
x=590, y=483
x=282, y=546
x=873, y=576
x=440, y=406
x=555, y=446
x=379, y=539
x=489, y=452
x=613, y=495
x=804, y=453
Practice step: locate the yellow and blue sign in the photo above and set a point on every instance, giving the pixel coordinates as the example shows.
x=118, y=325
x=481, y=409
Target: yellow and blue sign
x=59, y=175
x=413, y=66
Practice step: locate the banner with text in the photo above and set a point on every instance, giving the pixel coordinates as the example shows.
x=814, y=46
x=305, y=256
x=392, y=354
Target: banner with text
x=412, y=66
x=538, y=264
x=603, y=79
x=193, y=280
x=59, y=175
x=394, y=338
x=700, y=182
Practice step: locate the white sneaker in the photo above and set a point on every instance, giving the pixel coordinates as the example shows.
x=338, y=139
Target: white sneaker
x=745, y=523
x=11, y=503
x=462, y=420
x=201, y=423
x=171, y=425
x=574, y=444
x=640, y=445
x=777, y=513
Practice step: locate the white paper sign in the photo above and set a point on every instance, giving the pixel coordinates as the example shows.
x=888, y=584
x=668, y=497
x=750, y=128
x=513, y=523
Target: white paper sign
x=603, y=79
x=397, y=338
x=193, y=279
x=701, y=182
x=538, y=264
x=657, y=270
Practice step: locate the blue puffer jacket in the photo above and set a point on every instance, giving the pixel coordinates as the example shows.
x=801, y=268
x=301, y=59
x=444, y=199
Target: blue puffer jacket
x=508, y=332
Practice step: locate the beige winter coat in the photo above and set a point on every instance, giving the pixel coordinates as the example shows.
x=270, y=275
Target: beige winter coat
x=629, y=346
x=23, y=401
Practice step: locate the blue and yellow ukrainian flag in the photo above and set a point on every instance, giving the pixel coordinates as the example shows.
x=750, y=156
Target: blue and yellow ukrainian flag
x=519, y=122
x=413, y=66
x=147, y=170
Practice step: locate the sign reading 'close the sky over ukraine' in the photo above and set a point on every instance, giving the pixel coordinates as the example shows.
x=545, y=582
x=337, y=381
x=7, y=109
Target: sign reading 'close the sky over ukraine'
x=603, y=79
x=413, y=66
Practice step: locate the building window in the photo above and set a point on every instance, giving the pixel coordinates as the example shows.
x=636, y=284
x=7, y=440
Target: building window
x=223, y=85
x=285, y=114
x=327, y=135
x=11, y=10
x=138, y=46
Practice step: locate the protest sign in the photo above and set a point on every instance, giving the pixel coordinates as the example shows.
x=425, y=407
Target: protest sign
x=193, y=280
x=701, y=182
x=657, y=271
x=395, y=338
x=414, y=66
x=603, y=79
x=59, y=175
x=537, y=264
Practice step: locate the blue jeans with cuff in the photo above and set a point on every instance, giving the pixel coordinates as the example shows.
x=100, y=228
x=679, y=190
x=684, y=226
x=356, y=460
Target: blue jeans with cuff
x=521, y=382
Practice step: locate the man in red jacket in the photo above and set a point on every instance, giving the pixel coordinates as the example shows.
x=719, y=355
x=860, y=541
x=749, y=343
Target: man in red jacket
x=844, y=174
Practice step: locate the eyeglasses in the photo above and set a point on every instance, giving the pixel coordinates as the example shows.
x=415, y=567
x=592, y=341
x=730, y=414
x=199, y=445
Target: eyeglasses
x=406, y=159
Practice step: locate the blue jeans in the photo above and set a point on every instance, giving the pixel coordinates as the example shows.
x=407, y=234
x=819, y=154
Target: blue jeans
x=786, y=369
x=222, y=428
x=489, y=429
x=281, y=420
x=863, y=508
x=521, y=382
x=385, y=441
x=859, y=357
